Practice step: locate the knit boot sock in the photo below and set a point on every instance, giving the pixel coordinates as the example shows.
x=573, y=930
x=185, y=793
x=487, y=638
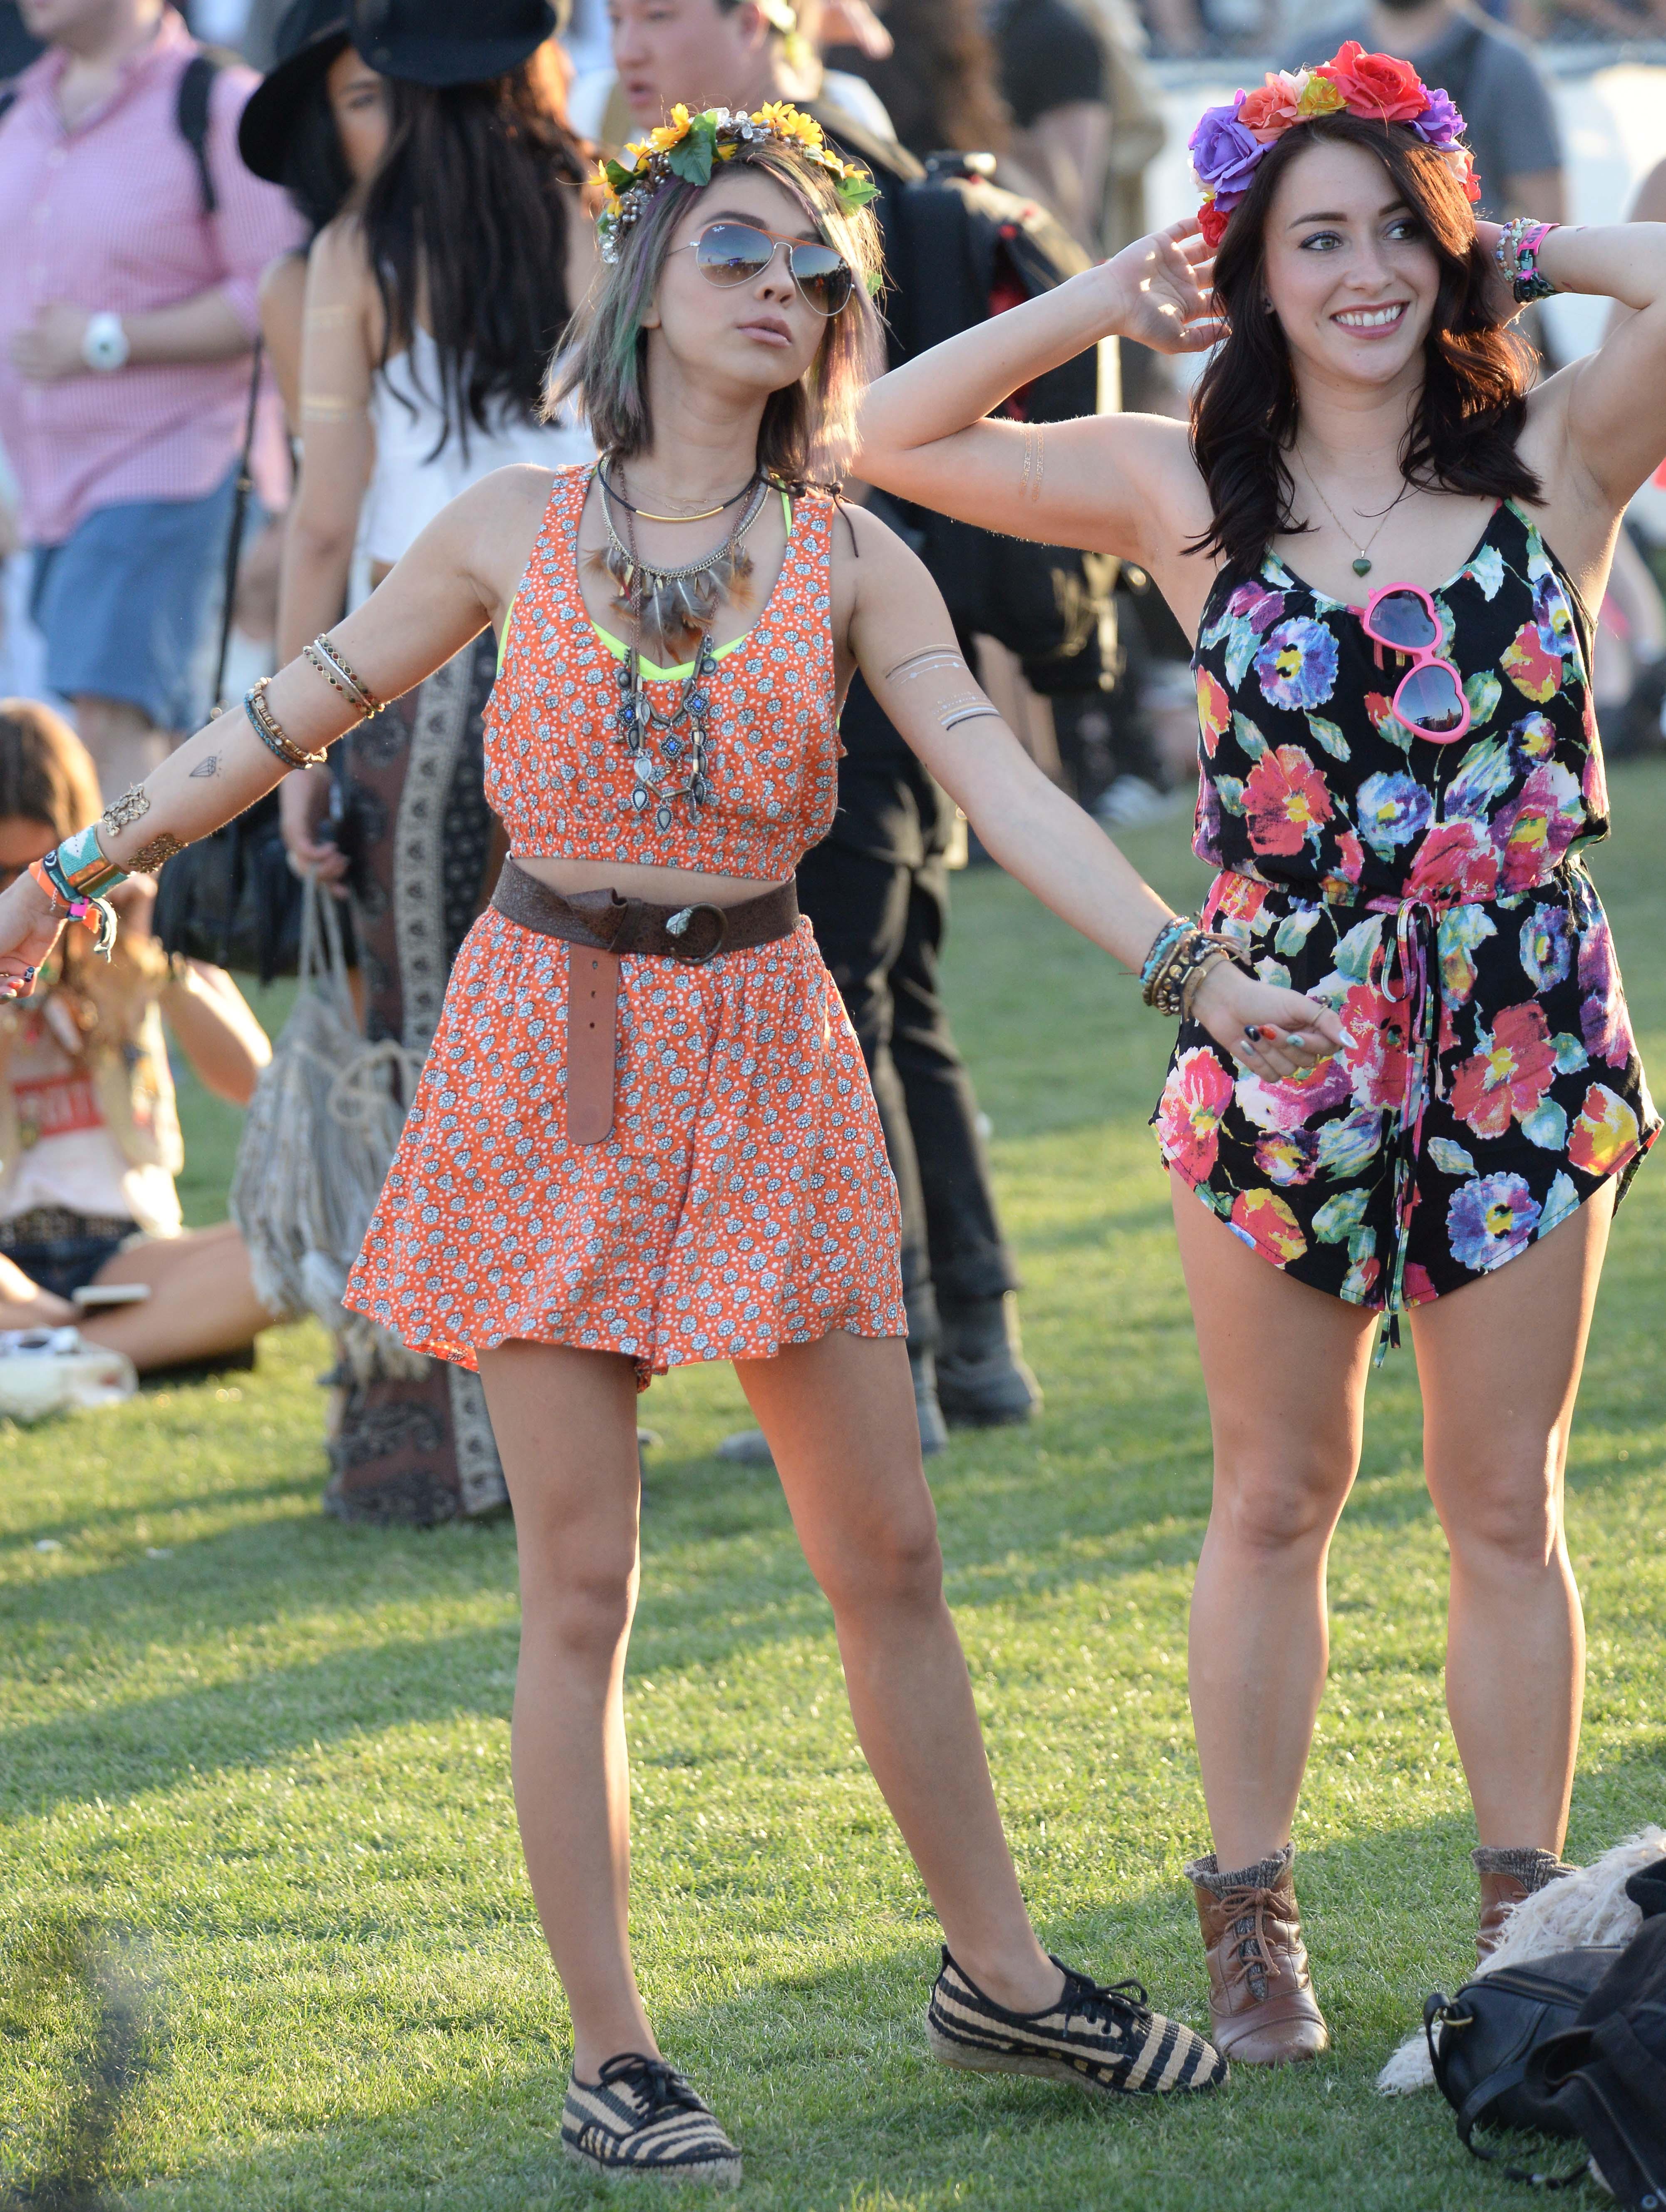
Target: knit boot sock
x=1507, y=1876
x=1261, y=1995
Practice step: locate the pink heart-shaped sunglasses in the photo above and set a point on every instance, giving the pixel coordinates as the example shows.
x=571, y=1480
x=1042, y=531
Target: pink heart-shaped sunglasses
x=1430, y=699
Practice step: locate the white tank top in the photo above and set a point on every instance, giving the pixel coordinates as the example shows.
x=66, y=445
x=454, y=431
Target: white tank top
x=407, y=487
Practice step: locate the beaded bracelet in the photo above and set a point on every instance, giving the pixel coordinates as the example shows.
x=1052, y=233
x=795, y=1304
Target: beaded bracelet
x=1518, y=256
x=327, y=658
x=270, y=729
x=1180, y=956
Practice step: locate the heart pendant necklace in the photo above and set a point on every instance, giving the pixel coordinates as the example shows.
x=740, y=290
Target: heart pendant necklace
x=1361, y=563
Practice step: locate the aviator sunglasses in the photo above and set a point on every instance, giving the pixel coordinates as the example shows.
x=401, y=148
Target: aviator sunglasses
x=1430, y=699
x=729, y=253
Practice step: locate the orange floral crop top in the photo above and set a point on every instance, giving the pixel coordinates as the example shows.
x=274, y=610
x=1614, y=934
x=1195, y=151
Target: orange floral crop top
x=558, y=769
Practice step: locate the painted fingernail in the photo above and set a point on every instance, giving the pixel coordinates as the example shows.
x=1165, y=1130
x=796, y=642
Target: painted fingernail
x=1254, y=1031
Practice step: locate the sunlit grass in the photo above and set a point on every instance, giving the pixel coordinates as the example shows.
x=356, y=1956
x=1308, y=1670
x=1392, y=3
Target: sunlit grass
x=254, y=1764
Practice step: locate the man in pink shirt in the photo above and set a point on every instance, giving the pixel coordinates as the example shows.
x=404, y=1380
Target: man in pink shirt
x=126, y=317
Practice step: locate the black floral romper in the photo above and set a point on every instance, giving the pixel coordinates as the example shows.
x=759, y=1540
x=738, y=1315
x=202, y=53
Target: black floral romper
x=1433, y=895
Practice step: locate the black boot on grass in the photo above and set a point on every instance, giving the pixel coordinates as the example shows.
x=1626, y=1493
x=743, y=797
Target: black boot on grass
x=981, y=1379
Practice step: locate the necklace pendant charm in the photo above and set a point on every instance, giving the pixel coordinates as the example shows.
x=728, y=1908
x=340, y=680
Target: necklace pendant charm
x=1362, y=566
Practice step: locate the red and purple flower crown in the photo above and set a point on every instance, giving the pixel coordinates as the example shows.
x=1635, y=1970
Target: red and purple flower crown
x=1229, y=142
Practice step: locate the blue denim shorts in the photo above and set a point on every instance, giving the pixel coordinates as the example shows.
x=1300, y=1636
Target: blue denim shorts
x=60, y=1251
x=123, y=603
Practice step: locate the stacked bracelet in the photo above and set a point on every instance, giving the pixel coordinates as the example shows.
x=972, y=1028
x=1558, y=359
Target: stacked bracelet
x=1181, y=956
x=96, y=914
x=324, y=657
x=80, y=867
x=270, y=729
x=1518, y=256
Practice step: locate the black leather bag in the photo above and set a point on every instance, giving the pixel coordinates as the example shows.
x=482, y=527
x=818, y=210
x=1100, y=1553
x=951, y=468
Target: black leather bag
x=232, y=898
x=1606, y=2077
x=1488, y=2034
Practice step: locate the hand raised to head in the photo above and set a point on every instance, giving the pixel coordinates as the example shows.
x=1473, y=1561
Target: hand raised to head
x=1167, y=296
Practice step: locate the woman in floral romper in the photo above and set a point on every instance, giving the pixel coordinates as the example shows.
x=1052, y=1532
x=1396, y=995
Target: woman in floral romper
x=1397, y=835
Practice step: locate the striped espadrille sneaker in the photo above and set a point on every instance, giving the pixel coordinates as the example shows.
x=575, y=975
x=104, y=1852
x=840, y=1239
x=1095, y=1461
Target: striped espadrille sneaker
x=1095, y=2037
x=641, y=2117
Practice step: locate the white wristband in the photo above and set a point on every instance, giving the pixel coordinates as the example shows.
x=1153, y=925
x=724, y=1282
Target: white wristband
x=103, y=344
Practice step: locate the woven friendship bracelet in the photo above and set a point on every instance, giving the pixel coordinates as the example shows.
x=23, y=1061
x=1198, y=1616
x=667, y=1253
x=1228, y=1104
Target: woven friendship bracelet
x=80, y=864
x=94, y=914
x=270, y=729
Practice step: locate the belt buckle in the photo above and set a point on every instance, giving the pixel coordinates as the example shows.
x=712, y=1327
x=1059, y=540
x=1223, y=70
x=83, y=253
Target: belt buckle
x=679, y=924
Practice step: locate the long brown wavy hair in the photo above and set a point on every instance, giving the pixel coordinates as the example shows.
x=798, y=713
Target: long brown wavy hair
x=1463, y=436
x=464, y=218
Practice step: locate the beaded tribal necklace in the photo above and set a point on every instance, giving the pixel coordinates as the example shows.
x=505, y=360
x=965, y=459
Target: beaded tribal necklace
x=671, y=600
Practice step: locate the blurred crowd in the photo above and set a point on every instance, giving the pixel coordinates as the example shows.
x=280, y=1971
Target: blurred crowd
x=283, y=277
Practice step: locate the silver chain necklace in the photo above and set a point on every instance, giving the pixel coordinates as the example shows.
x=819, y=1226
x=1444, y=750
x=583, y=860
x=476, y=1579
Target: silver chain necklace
x=1362, y=564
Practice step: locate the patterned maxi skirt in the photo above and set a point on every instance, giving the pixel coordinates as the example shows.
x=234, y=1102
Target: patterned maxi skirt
x=425, y=847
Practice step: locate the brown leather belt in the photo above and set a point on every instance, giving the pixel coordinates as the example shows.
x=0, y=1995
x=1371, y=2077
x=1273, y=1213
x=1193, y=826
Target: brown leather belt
x=600, y=927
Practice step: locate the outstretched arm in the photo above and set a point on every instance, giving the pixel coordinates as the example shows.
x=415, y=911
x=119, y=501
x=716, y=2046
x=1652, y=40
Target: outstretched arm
x=440, y=596
x=904, y=643
x=1097, y=483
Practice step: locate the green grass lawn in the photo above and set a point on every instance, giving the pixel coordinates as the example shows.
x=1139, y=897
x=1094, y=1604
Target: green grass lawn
x=267, y=1940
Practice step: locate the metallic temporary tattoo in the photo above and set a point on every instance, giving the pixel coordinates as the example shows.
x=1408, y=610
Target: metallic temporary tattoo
x=326, y=407
x=936, y=660
x=162, y=847
x=971, y=708
x=1030, y=485
x=133, y=807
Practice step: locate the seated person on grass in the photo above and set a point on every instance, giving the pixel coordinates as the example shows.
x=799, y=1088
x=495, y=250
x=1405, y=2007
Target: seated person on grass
x=89, y=1138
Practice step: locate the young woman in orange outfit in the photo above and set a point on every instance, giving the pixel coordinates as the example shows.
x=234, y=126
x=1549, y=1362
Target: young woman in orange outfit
x=643, y=1136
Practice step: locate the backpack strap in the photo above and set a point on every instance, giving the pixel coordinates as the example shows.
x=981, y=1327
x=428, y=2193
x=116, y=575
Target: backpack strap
x=191, y=116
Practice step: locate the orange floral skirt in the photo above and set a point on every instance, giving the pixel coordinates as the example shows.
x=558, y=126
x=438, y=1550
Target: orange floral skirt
x=743, y=1201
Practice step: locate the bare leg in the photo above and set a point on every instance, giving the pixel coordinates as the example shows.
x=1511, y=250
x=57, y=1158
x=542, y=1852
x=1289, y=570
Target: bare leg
x=1285, y=1366
x=566, y=1427
x=840, y=1420
x=125, y=742
x=202, y=1302
x=1500, y=1362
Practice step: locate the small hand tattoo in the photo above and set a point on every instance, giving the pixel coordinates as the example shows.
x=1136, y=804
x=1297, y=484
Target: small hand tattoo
x=208, y=767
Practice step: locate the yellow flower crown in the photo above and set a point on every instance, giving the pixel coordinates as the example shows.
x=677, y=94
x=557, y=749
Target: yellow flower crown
x=690, y=147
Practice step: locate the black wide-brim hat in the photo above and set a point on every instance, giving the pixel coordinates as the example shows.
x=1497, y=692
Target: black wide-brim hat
x=309, y=36
x=446, y=42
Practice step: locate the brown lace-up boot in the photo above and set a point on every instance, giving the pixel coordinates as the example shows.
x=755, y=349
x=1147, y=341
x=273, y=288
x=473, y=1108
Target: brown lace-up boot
x=1507, y=1877
x=1261, y=1997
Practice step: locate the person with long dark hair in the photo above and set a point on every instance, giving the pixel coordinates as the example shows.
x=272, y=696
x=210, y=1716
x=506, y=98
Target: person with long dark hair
x=316, y=125
x=1384, y=541
x=645, y=1136
x=434, y=299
